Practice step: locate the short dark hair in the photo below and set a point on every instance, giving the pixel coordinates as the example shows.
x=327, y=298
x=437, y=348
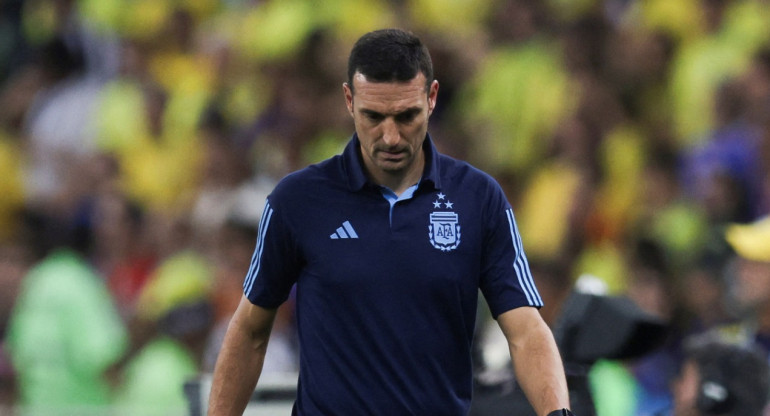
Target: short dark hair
x=738, y=373
x=389, y=55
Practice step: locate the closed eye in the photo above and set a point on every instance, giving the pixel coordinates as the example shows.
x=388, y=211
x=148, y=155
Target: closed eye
x=407, y=116
x=373, y=115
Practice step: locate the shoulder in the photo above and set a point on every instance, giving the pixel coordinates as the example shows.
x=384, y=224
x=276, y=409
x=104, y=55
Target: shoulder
x=451, y=168
x=312, y=180
x=462, y=174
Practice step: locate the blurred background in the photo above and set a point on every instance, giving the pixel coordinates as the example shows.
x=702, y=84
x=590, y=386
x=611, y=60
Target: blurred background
x=139, y=139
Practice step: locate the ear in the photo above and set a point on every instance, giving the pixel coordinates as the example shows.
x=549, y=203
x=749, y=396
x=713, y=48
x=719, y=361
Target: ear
x=432, y=96
x=348, y=97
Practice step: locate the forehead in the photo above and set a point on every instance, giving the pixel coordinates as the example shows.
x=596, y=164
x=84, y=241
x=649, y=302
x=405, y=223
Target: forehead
x=761, y=267
x=389, y=95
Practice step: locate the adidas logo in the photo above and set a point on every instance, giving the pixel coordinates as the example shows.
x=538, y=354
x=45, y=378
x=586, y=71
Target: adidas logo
x=346, y=231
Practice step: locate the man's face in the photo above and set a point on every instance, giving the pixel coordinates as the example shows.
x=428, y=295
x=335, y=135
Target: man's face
x=753, y=284
x=391, y=119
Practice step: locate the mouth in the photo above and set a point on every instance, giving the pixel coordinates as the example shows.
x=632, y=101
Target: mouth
x=392, y=155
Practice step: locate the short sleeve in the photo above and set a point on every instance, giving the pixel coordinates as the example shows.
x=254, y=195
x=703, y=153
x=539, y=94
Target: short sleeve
x=506, y=280
x=275, y=263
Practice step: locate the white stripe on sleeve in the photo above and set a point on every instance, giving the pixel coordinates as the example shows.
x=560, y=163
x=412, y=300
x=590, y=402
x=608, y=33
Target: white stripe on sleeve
x=257, y=257
x=521, y=265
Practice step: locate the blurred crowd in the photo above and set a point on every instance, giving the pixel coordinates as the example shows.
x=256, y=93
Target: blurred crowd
x=139, y=139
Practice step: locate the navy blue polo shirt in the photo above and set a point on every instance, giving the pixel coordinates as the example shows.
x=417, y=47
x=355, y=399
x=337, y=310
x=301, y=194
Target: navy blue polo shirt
x=387, y=294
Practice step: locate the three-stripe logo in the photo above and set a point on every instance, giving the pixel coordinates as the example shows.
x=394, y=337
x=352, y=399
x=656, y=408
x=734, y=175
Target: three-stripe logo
x=346, y=231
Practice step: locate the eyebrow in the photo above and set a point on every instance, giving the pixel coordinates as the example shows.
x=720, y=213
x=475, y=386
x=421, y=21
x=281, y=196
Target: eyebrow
x=407, y=112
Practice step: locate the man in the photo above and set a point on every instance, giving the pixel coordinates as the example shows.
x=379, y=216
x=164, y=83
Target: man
x=719, y=378
x=750, y=284
x=751, y=243
x=388, y=244
x=725, y=371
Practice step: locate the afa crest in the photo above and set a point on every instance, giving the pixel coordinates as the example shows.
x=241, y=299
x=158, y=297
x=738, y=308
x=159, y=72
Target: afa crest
x=444, y=230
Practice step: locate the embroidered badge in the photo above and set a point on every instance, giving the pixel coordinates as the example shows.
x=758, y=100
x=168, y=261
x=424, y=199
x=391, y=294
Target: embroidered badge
x=444, y=227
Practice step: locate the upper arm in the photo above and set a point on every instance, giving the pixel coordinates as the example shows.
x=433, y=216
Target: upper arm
x=252, y=319
x=521, y=324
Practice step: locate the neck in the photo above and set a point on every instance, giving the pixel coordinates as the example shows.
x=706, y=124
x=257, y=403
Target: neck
x=398, y=182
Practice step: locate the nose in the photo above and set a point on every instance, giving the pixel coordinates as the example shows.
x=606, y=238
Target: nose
x=390, y=133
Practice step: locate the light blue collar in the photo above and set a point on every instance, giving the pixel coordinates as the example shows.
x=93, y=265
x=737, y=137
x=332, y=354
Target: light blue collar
x=392, y=198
